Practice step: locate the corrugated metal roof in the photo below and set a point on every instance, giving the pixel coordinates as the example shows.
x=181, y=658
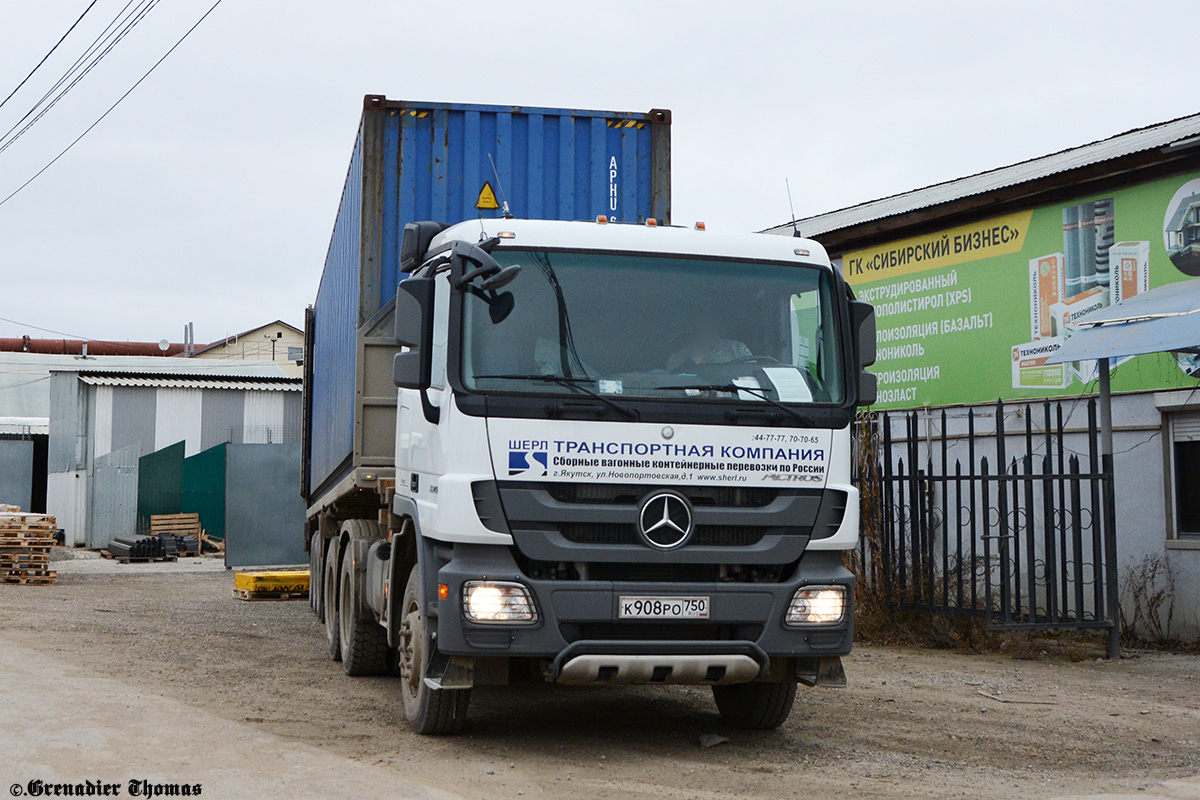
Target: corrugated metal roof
x=25, y=426
x=1176, y=132
x=264, y=384
x=25, y=377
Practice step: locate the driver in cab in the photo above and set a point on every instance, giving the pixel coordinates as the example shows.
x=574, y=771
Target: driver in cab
x=705, y=346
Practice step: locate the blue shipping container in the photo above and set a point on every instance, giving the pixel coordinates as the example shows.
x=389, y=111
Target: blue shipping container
x=416, y=161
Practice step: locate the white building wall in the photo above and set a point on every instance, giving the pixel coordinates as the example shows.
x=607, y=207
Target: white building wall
x=263, y=418
x=177, y=418
x=102, y=438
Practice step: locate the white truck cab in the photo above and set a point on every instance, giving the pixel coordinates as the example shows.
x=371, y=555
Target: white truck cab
x=622, y=455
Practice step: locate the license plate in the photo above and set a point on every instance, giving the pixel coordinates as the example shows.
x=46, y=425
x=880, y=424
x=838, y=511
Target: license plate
x=640, y=607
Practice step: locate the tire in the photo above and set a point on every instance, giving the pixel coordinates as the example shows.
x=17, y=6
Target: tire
x=329, y=587
x=428, y=711
x=315, y=600
x=363, y=639
x=755, y=706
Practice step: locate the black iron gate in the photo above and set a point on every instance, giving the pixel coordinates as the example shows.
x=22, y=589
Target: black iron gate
x=1018, y=535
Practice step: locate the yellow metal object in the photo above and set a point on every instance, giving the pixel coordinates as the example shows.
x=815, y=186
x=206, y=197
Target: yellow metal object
x=289, y=581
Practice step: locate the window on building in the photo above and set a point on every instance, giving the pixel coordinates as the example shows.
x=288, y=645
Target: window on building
x=1185, y=473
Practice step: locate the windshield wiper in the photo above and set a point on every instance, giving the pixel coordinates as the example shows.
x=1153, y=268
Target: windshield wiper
x=572, y=383
x=733, y=388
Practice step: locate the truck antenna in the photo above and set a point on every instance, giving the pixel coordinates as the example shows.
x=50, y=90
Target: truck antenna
x=795, y=230
x=503, y=200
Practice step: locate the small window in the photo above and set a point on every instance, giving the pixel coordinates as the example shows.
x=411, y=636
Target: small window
x=1185, y=474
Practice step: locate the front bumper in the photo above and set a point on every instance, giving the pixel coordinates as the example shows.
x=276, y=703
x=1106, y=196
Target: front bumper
x=577, y=618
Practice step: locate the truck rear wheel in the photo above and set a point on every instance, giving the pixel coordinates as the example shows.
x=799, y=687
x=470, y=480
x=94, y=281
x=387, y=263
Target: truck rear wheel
x=428, y=710
x=755, y=706
x=315, y=600
x=329, y=585
x=363, y=639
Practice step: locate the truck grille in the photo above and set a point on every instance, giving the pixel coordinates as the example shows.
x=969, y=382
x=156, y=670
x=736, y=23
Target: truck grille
x=642, y=572
x=631, y=494
x=615, y=533
x=659, y=632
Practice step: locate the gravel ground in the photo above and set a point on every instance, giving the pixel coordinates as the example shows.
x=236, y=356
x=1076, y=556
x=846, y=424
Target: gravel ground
x=911, y=723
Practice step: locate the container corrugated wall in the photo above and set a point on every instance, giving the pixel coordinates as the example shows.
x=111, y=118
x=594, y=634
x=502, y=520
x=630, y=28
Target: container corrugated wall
x=416, y=161
x=335, y=319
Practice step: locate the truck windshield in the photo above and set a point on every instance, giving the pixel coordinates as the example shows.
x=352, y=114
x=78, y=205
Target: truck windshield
x=655, y=327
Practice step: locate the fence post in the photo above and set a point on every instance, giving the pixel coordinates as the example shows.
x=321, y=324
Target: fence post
x=1110, y=511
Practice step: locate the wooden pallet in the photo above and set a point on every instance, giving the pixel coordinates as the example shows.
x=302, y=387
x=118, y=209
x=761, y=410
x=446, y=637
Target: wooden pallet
x=187, y=524
x=137, y=559
x=8, y=560
x=30, y=580
x=243, y=594
x=25, y=521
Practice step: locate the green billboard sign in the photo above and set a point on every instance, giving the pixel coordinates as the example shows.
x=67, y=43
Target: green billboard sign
x=970, y=314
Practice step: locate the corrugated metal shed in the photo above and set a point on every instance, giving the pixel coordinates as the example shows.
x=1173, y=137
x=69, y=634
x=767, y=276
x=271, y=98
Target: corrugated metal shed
x=96, y=412
x=1177, y=134
x=25, y=377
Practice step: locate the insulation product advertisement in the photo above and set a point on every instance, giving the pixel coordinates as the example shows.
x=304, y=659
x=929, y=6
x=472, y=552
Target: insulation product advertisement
x=971, y=314
x=615, y=452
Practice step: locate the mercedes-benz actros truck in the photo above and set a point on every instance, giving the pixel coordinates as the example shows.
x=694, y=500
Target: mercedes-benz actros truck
x=600, y=452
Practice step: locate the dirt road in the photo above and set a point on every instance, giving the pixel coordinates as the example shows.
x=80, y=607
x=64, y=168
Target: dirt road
x=124, y=672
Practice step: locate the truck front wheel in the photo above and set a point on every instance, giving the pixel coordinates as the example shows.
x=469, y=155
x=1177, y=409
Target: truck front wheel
x=755, y=706
x=428, y=710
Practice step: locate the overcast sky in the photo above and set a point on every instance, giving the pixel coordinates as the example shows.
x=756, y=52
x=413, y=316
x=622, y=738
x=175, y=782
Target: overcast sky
x=209, y=194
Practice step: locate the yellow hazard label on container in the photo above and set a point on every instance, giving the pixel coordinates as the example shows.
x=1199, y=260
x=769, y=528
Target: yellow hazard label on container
x=487, y=198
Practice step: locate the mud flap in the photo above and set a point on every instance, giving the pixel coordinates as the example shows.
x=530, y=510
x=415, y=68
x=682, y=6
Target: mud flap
x=823, y=671
x=450, y=672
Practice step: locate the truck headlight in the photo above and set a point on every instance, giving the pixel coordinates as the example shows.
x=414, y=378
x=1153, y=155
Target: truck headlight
x=817, y=605
x=497, y=602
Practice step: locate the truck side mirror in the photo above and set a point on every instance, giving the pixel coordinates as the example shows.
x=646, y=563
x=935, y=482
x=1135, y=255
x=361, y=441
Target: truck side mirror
x=414, y=329
x=862, y=318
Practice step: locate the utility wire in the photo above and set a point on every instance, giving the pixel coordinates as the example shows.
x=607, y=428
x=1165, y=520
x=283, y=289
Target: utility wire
x=87, y=53
x=44, y=330
x=140, y=14
x=114, y=105
x=52, y=49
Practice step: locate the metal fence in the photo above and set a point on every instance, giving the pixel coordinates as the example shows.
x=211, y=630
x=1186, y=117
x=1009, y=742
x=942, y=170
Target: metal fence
x=1016, y=530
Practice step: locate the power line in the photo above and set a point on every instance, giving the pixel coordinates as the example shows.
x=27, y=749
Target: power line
x=52, y=49
x=87, y=52
x=114, y=105
x=137, y=15
x=44, y=330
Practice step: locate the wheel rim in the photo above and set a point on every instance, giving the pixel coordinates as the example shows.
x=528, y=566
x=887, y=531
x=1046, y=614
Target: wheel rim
x=411, y=650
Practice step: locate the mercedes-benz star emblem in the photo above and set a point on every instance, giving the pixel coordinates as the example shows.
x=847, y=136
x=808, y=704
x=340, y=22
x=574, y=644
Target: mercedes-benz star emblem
x=668, y=432
x=665, y=520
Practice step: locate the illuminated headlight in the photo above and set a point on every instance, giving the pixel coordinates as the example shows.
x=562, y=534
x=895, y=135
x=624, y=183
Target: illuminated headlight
x=495, y=602
x=817, y=605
